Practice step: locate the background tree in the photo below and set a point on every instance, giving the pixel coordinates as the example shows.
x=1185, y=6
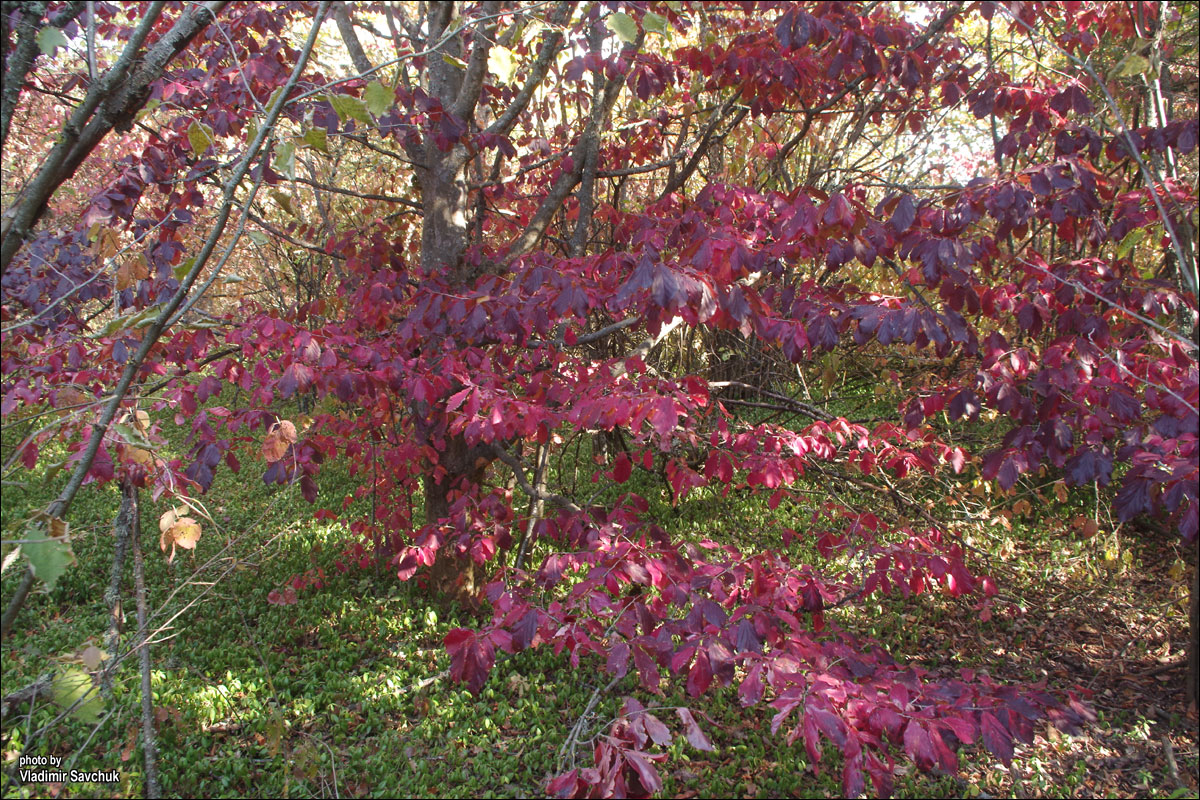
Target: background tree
x=497, y=229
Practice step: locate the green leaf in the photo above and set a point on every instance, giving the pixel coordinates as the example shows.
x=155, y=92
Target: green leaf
x=184, y=268
x=654, y=23
x=317, y=139
x=53, y=471
x=348, y=107
x=200, y=137
x=1132, y=64
x=454, y=61
x=72, y=684
x=49, y=555
x=502, y=64
x=285, y=159
x=148, y=109
x=623, y=26
x=131, y=435
x=285, y=202
x=275, y=97
x=205, y=325
x=139, y=319
x=379, y=97
x=1131, y=240
x=50, y=39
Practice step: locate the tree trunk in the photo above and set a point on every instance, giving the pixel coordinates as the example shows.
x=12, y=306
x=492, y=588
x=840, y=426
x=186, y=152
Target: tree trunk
x=1194, y=636
x=459, y=467
x=445, y=203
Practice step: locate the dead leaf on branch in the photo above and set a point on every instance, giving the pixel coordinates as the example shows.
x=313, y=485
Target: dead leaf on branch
x=176, y=530
x=279, y=438
x=133, y=270
x=138, y=456
x=70, y=397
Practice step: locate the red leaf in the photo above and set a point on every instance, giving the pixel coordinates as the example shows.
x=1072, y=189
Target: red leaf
x=692, y=732
x=457, y=399
x=646, y=772
x=564, y=785
x=647, y=669
x=962, y=728
x=751, y=688
x=622, y=469
x=658, y=732
x=618, y=660
x=996, y=738
x=664, y=417
x=852, y=778
x=471, y=657
x=831, y=725
x=700, y=676
x=904, y=215
x=918, y=745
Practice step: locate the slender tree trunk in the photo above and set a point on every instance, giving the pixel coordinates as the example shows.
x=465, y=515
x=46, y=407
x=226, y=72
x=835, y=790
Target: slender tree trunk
x=1193, y=690
x=149, y=743
x=122, y=528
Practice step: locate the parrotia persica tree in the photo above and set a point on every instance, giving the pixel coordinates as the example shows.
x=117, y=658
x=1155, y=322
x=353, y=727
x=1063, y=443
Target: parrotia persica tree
x=543, y=193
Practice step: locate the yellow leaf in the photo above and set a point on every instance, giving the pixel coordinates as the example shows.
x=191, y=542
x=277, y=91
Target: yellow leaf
x=200, y=137
x=70, y=396
x=282, y=434
x=186, y=532
x=502, y=64
x=133, y=270
x=285, y=202
x=273, y=447
x=138, y=456
x=59, y=528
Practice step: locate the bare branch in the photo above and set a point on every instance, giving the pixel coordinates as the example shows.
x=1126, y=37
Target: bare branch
x=602, y=103
x=111, y=102
x=354, y=47
x=468, y=94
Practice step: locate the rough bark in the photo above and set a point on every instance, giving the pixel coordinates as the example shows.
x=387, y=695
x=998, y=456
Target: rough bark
x=458, y=468
x=16, y=60
x=445, y=201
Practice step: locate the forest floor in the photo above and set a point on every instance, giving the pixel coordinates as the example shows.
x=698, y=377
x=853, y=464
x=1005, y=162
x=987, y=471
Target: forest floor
x=346, y=693
x=1119, y=636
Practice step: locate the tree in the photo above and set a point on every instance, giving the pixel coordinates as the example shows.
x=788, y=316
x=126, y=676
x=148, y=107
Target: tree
x=577, y=184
